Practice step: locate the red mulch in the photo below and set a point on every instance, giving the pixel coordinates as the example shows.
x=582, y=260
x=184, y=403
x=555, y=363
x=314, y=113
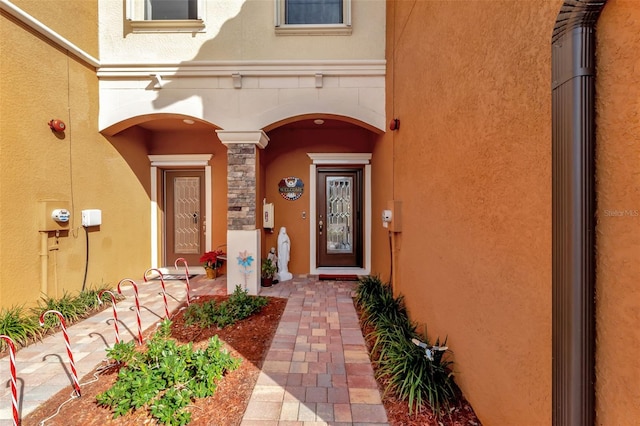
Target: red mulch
x=248, y=339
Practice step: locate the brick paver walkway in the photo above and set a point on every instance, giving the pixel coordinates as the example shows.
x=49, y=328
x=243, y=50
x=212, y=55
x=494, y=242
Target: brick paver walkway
x=316, y=372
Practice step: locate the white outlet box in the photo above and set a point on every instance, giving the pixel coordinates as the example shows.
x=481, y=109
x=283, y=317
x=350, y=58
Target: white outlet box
x=91, y=217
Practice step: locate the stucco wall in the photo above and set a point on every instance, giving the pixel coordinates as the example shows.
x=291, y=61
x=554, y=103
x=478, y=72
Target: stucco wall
x=472, y=166
x=39, y=82
x=240, y=30
x=618, y=214
x=286, y=155
x=74, y=20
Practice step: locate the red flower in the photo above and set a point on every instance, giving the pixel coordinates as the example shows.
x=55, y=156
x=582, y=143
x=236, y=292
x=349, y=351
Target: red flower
x=210, y=259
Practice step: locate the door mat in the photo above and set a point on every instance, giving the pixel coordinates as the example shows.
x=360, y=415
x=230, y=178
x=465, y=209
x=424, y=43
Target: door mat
x=331, y=277
x=168, y=277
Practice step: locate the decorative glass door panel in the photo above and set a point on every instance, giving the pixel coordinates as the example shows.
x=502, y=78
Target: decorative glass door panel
x=186, y=210
x=338, y=218
x=339, y=215
x=184, y=198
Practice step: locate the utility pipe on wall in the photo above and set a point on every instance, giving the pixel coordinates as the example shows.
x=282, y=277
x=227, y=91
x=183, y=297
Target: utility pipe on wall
x=44, y=261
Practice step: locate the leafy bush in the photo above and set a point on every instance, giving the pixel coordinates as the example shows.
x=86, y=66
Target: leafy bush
x=22, y=325
x=165, y=378
x=238, y=306
x=68, y=306
x=409, y=374
x=19, y=326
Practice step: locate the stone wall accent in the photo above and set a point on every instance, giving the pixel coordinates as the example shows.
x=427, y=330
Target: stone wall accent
x=241, y=183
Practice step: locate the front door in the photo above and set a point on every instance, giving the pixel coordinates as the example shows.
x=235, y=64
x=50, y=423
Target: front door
x=339, y=231
x=184, y=215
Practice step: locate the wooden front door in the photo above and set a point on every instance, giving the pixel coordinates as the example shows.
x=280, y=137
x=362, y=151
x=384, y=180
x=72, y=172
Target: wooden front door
x=339, y=231
x=184, y=215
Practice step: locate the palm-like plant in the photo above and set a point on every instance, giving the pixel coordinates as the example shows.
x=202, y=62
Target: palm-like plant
x=408, y=372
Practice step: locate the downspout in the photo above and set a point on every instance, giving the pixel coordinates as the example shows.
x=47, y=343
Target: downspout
x=44, y=262
x=573, y=213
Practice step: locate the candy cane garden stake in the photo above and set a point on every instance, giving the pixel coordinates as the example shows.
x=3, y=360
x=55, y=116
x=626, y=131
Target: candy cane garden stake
x=135, y=292
x=164, y=294
x=186, y=276
x=14, y=388
x=115, y=313
x=76, y=384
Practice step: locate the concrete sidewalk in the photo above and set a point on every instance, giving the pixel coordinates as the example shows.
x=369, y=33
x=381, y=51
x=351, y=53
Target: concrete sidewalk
x=317, y=370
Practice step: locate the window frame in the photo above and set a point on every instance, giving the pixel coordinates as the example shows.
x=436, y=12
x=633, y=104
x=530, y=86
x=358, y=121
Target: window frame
x=135, y=15
x=282, y=28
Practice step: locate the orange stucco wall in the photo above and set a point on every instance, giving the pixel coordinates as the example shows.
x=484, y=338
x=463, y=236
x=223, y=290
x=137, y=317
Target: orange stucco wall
x=40, y=82
x=470, y=83
x=618, y=214
x=75, y=20
x=286, y=155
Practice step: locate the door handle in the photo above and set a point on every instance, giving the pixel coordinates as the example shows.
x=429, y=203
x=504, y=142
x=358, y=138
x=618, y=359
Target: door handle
x=195, y=217
x=320, y=223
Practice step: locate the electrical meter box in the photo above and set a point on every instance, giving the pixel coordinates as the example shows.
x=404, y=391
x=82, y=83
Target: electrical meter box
x=92, y=217
x=267, y=216
x=54, y=215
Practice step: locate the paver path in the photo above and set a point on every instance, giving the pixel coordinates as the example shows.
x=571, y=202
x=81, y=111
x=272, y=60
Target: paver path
x=317, y=370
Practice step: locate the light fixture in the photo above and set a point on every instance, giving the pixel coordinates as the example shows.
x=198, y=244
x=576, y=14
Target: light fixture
x=318, y=121
x=57, y=125
x=188, y=121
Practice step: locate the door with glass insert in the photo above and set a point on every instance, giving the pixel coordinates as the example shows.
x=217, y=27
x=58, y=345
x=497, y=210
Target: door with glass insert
x=339, y=217
x=184, y=215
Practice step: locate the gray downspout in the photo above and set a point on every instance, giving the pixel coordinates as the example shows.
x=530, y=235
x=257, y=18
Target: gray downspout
x=573, y=213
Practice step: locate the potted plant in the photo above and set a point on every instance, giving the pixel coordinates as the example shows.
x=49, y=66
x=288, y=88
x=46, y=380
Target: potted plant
x=211, y=262
x=268, y=272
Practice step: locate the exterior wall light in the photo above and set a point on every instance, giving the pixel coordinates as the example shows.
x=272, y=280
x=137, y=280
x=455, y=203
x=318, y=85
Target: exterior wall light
x=57, y=125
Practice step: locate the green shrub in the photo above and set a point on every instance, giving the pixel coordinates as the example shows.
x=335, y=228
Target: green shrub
x=23, y=325
x=70, y=308
x=165, y=378
x=238, y=306
x=87, y=300
x=409, y=374
x=368, y=289
x=19, y=326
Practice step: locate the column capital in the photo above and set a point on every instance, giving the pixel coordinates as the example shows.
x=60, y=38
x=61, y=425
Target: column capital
x=256, y=137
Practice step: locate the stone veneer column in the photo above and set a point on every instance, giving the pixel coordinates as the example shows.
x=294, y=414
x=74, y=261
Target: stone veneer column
x=243, y=233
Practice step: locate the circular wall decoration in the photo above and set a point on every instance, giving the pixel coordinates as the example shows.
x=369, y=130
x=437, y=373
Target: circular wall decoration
x=291, y=188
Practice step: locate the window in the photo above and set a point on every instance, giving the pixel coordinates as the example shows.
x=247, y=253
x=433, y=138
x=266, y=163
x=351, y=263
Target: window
x=313, y=12
x=321, y=17
x=170, y=9
x=166, y=15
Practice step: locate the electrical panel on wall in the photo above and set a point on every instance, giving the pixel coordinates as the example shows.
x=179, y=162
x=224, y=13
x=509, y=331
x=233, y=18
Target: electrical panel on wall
x=92, y=217
x=267, y=215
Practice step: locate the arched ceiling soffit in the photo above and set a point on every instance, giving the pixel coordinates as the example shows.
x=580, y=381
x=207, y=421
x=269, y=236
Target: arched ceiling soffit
x=284, y=114
x=161, y=122
x=319, y=121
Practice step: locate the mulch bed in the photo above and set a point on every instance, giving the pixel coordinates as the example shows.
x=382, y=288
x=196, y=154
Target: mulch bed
x=460, y=413
x=248, y=339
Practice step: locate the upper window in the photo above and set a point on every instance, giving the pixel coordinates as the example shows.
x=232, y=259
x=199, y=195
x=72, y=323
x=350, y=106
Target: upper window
x=170, y=9
x=319, y=17
x=165, y=15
